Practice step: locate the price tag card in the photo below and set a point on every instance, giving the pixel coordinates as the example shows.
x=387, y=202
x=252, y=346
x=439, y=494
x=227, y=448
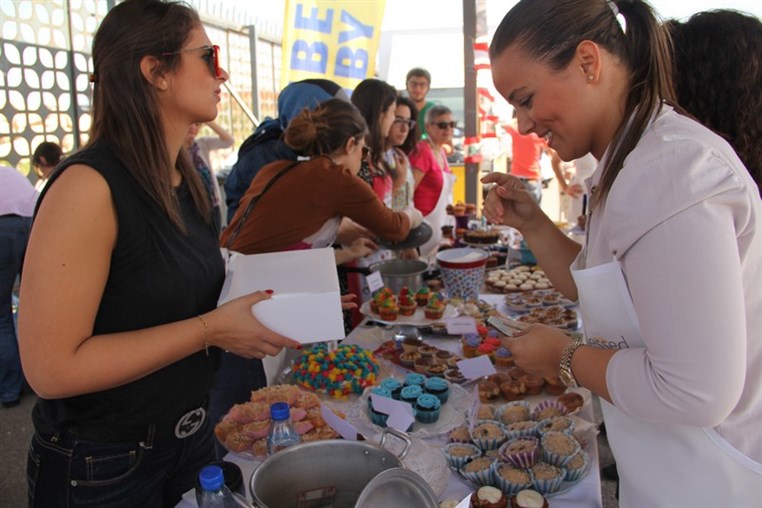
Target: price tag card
x=466, y=502
x=461, y=325
x=400, y=413
x=473, y=409
x=375, y=282
x=343, y=427
x=472, y=368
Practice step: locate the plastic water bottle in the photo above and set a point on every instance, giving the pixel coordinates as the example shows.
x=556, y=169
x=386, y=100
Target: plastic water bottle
x=214, y=492
x=282, y=433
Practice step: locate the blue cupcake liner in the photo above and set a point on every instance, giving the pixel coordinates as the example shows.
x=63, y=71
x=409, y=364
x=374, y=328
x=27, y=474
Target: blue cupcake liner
x=529, y=431
x=479, y=478
x=546, y=422
x=545, y=487
x=506, y=486
x=486, y=443
x=455, y=462
x=500, y=409
x=555, y=458
x=442, y=394
x=378, y=418
x=521, y=459
x=572, y=475
x=427, y=416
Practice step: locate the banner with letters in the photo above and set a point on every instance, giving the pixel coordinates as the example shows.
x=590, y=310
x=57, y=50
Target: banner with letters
x=331, y=39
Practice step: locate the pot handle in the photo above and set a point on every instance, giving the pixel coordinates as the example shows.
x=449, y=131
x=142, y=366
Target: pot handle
x=399, y=435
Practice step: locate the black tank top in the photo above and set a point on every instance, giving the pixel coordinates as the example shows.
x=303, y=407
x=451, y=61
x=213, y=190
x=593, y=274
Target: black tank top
x=158, y=275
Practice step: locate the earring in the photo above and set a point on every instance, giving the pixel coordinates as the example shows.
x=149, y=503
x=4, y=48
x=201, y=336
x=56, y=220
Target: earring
x=163, y=86
x=590, y=77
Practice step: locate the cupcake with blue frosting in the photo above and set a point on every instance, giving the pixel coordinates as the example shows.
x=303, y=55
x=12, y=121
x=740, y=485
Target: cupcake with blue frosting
x=393, y=385
x=427, y=408
x=438, y=387
x=415, y=379
x=410, y=394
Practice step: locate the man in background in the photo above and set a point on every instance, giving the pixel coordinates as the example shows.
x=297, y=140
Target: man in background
x=418, y=84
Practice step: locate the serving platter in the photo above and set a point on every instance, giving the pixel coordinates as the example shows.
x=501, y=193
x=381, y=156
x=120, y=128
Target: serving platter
x=417, y=319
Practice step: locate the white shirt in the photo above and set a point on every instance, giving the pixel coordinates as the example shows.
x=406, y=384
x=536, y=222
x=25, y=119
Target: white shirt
x=684, y=217
x=17, y=194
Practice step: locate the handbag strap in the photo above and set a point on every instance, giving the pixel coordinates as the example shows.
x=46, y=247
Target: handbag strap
x=256, y=198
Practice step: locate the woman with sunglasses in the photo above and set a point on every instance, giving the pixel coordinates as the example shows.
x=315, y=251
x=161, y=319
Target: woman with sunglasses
x=299, y=205
x=668, y=279
x=432, y=175
x=118, y=326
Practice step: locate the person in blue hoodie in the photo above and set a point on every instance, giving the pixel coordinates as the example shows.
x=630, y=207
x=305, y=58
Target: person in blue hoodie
x=265, y=145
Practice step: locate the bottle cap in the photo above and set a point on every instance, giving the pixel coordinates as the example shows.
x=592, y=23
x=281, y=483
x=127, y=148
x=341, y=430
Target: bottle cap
x=211, y=478
x=280, y=411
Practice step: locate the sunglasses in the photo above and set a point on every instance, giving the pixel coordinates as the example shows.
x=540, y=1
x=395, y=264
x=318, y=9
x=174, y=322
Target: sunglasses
x=445, y=125
x=405, y=121
x=211, y=55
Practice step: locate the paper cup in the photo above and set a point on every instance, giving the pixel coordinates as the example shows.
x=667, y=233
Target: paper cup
x=462, y=271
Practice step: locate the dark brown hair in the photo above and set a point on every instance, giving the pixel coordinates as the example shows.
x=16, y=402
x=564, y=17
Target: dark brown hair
x=414, y=134
x=125, y=110
x=373, y=97
x=551, y=30
x=48, y=151
x=325, y=129
x=718, y=77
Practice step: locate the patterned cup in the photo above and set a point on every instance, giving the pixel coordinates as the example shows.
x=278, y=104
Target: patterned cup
x=462, y=271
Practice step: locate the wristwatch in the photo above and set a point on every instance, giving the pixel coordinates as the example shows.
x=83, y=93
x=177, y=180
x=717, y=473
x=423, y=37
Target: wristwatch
x=565, y=373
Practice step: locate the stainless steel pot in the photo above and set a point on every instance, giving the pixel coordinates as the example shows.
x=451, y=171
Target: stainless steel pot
x=398, y=273
x=327, y=473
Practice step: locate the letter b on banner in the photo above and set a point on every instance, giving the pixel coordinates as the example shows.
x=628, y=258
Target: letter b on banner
x=351, y=64
x=309, y=57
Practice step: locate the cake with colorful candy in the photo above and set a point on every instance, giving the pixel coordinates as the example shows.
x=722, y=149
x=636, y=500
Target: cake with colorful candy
x=339, y=372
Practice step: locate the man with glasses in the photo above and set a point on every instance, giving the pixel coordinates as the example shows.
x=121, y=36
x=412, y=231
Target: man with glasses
x=418, y=83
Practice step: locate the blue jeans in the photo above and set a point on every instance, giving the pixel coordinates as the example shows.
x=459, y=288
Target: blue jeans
x=236, y=378
x=14, y=233
x=66, y=471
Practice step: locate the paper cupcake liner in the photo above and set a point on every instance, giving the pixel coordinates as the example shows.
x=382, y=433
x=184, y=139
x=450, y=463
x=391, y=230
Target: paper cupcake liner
x=427, y=416
x=488, y=443
x=455, y=462
x=572, y=475
x=545, y=487
x=542, y=423
x=509, y=488
x=544, y=404
x=479, y=478
x=500, y=409
x=378, y=418
x=555, y=458
x=521, y=459
x=527, y=432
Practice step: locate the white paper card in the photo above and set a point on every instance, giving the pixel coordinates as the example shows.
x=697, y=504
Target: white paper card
x=461, y=325
x=466, y=502
x=343, y=427
x=400, y=413
x=472, y=368
x=306, y=304
x=375, y=282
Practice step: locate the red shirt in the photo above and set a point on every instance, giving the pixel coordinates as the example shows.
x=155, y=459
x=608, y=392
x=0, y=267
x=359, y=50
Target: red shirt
x=525, y=162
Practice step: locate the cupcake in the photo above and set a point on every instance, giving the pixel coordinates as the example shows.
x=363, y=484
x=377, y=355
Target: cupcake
x=434, y=309
x=411, y=344
x=454, y=376
x=556, y=424
x=470, y=342
x=458, y=454
x=378, y=418
x=393, y=385
x=559, y=448
x=422, y=296
x=459, y=435
x=547, y=409
x=488, y=435
x=423, y=363
x=547, y=478
x=427, y=351
x=517, y=411
x=438, y=387
x=410, y=394
x=576, y=467
x=513, y=390
x=512, y=479
x=485, y=412
x=488, y=497
x=526, y=428
x=503, y=358
x=427, y=408
x=554, y=386
x=408, y=360
x=442, y=356
x=571, y=401
x=435, y=370
x=380, y=391
x=482, y=330
x=528, y=499
x=388, y=310
x=533, y=384
x=407, y=306
x=478, y=471
x=516, y=372
x=379, y=297
x=488, y=390
x=521, y=452
x=415, y=379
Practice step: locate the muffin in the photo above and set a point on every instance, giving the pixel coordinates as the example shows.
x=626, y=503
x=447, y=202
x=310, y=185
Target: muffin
x=410, y=394
x=554, y=386
x=459, y=435
x=559, y=448
x=408, y=360
x=488, y=435
x=485, y=412
x=517, y=411
x=516, y=372
x=503, y=358
x=427, y=408
x=547, y=478
x=576, y=467
x=513, y=390
x=571, y=401
x=526, y=428
x=512, y=479
x=547, y=409
x=488, y=391
x=458, y=454
x=488, y=497
x=528, y=499
x=414, y=379
x=470, y=342
x=438, y=387
x=556, y=424
x=533, y=384
x=478, y=471
x=521, y=452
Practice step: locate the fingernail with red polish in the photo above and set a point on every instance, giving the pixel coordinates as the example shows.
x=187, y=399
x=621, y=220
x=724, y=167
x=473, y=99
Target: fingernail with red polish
x=269, y=291
x=298, y=346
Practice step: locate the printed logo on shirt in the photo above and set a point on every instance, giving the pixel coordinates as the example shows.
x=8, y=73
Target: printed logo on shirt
x=189, y=423
x=603, y=343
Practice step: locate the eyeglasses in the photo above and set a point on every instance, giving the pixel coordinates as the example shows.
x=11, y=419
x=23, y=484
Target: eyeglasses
x=211, y=55
x=405, y=121
x=417, y=84
x=366, y=151
x=445, y=125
